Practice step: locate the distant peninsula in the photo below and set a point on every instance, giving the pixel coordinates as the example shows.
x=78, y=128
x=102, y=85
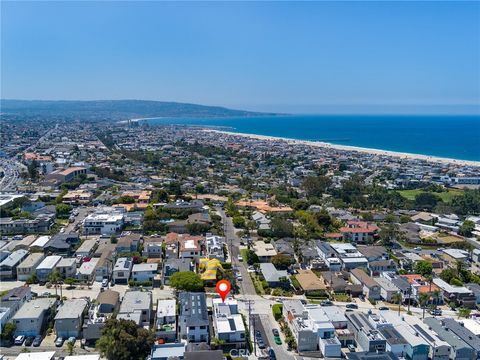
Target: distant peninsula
x=118, y=109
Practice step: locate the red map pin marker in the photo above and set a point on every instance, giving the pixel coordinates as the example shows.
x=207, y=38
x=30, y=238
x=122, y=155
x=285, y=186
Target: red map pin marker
x=223, y=288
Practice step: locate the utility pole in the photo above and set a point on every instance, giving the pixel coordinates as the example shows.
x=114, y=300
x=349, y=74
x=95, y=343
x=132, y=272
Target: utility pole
x=249, y=324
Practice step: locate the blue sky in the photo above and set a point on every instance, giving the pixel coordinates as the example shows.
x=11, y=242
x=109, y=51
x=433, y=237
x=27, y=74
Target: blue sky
x=283, y=56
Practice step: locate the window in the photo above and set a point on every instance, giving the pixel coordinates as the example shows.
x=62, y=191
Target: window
x=191, y=328
x=203, y=327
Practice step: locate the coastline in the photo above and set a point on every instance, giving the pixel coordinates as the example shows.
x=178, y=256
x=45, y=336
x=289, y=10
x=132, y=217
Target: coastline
x=137, y=120
x=380, y=152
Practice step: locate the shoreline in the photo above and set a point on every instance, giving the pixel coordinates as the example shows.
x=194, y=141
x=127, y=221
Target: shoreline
x=396, y=154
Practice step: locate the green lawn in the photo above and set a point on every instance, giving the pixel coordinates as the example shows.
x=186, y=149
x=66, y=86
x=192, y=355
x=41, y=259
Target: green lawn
x=445, y=196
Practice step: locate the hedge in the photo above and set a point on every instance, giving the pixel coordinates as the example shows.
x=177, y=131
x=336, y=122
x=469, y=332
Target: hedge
x=277, y=310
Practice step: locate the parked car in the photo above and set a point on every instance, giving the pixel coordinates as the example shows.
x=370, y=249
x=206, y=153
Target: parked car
x=19, y=340
x=436, y=312
x=59, y=342
x=351, y=306
x=260, y=343
x=239, y=258
x=272, y=355
x=29, y=340
x=326, y=303
x=72, y=340
x=37, y=341
x=105, y=283
x=383, y=308
x=351, y=348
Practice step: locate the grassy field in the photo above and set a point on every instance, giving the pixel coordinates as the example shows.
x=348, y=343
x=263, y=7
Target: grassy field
x=445, y=196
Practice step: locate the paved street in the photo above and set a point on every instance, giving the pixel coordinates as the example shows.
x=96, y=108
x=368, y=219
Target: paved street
x=233, y=242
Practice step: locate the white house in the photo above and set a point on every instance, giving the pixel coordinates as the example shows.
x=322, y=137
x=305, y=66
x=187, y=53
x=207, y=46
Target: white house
x=144, y=272
x=227, y=322
x=122, y=270
x=47, y=266
x=166, y=320
x=104, y=221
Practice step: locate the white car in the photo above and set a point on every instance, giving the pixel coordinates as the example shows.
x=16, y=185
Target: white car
x=239, y=258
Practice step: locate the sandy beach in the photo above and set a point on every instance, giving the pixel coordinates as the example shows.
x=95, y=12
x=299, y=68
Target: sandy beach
x=355, y=148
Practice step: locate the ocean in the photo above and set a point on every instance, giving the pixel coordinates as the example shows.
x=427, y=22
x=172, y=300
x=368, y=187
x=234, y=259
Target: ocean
x=456, y=137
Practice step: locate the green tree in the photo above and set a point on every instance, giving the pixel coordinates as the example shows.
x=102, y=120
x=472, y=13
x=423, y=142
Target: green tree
x=466, y=228
x=8, y=331
x=32, y=279
x=63, y=210
x=281, y=227
x=422, y=301
x=315, y=186
x=123, y=340
x=252, y=258
x=464, y=313
x=423, y=268
x=238, y=221
x=426, y=200
x=70, y=347
x=281, y=261
x=186, y=281
x=54, y=277
x=397, y=298
x=69, y=281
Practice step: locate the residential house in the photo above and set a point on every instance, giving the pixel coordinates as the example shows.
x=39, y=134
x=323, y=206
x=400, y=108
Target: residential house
x=166, y=320
x=105, y=221
x=86, y=272
x=460, y=350
x=67, y=267
x=371, y=289
x=107, y=303
x=274, y=277
x=32, y=317
x=8, y=266
x=128, y=243
x=461, y=295
x=309, y=281
x=47, y=266
x=264, y=251
x=86, y=248
x=16, y=297
x=28, y=266
x=171, y=266
x=359, y=231
x=215, y=245
x=153, y=247
x=144, y=272
x=366, y=336
x=69, y=318
x=122, y=270
x=378, y=266
x=284, y=247
x=193, y=323
x=136, y=306
x=190, y=247
x=228, y=324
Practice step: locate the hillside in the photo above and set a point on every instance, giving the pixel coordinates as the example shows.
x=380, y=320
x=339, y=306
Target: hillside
x=116, y=109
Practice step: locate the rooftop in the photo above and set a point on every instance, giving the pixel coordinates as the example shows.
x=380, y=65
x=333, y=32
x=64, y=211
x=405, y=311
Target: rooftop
x=71, y=309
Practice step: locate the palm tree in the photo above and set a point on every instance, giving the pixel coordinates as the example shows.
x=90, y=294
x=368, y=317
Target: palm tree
x=397, y=297
x=422, y=300
x=436, y=295
x=54, y=278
